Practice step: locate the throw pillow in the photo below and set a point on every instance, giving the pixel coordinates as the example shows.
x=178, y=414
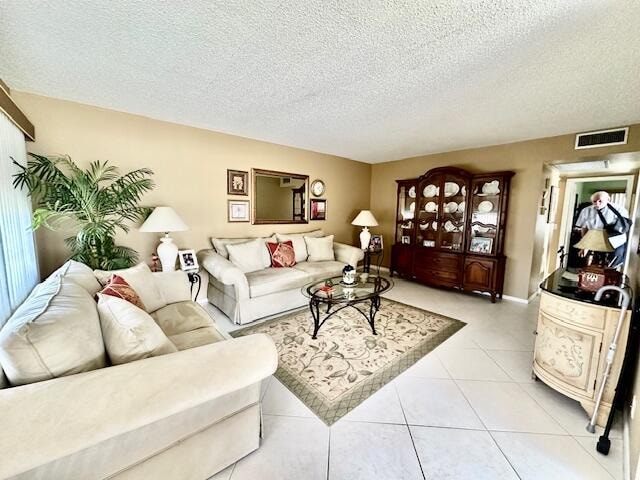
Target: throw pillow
x=298, y=244
x=320, y=249
x=141, y=280
x=79, y=273
x=250, y=256
x=130, y=333
x=118, y=287
x=220, y=244
x=55, y=332
x=282, y=254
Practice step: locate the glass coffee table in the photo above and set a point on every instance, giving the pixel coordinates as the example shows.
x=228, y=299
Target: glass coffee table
x=338, y=296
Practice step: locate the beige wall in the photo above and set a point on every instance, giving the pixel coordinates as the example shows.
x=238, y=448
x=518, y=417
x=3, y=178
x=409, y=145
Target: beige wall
x=190, y=168
x=526, y=159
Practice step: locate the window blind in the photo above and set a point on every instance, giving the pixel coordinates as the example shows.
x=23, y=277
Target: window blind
x=18, y=261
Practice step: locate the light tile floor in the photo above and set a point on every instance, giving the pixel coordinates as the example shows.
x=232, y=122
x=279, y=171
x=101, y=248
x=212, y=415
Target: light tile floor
x=467, y=410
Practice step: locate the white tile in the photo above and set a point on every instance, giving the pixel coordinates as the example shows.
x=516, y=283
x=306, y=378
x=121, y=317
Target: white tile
x=435, y=402
x=613, y=462
x=372, y=451
x=506, y=406
x=567, y=411
x=292, y=448
x=382, y=407
x=428, y=366
x=518, y=365
x=545, y=457
x=471, y=365
x=497, y=339
x=224, y=474
x=278, y=400
x=452, y=454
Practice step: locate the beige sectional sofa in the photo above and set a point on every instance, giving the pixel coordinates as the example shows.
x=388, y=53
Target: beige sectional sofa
x=186, y=415
x=247, y=296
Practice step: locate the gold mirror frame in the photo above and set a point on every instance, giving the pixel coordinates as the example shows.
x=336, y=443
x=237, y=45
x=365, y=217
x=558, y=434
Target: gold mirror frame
x=254, y=198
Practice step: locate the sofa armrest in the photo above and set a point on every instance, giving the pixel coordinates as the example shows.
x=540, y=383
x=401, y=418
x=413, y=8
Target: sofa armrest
x=348, y=253
x=224, y=271
x=45, y=421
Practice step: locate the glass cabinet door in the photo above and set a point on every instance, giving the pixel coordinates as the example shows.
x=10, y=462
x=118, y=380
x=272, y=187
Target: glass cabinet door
x=406, y=214
x=453, y=205
x=429, y=212
x=485, y=210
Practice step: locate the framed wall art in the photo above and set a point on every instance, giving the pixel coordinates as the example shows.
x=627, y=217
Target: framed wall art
x=238, y=210
x=237, y=182
x=318, y=209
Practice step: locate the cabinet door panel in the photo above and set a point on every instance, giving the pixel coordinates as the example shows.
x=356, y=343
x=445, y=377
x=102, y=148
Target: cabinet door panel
x=479, y=274
x=401, y=259
x=567, y=353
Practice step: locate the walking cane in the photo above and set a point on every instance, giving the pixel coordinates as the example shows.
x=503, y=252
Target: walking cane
x=591, y=427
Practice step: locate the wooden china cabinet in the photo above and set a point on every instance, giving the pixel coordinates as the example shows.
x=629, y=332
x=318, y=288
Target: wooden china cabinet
x=450, y=228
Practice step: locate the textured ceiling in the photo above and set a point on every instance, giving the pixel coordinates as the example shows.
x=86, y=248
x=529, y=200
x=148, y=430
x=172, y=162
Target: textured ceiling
x=367, y=80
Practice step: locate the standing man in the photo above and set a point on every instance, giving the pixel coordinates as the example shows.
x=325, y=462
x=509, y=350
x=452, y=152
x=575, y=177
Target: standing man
x=604, y=216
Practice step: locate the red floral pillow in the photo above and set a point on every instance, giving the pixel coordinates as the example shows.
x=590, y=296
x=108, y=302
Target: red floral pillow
x=282, y=254
x=118, y=287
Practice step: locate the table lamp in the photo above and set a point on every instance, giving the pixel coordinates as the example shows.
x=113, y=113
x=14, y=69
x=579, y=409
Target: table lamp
x=165, y=219
x=592, y=277
x=365, y=219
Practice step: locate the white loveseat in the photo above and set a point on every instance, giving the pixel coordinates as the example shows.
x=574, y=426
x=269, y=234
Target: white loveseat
x=248, y=296
x=186, y=415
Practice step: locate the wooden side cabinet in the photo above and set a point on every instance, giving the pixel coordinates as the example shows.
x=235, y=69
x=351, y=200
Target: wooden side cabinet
x=571, y=347
x=484, y=275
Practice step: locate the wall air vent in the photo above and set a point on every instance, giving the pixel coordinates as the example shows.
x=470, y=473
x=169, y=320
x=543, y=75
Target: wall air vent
x=602, y=138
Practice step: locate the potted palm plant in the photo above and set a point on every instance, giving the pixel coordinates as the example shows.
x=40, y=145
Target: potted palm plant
x=98, y=200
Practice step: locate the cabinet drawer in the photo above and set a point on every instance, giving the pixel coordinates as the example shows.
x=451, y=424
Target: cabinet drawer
x=573, y=312
x=568, y=355
x=438, y=261
x=437, y=277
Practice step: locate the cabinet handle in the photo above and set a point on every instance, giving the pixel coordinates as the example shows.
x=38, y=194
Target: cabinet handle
x=535, y=332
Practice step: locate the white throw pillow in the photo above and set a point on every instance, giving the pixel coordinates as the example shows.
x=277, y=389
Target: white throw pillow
x=299, y=245
x=320, y=249
x=129, y=332
x=250, y=256
x=55, y=332
x=141, y=280
x=174, y=286
x=79, y=273
x=220, y=244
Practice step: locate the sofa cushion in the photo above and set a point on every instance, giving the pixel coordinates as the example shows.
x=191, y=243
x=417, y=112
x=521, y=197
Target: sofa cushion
x=79, y=273
x=282, y=254
x=250, y=256
x=196, y=338
x=299, y=245
x=118, y=287
x=129, y=332
x=55, y=332
x=220, y=244
x=4, y=383
x=319, y=270
x=181, y=317
x=270, y=280
x=320, y=249
x=174, y=286
x=141, y=279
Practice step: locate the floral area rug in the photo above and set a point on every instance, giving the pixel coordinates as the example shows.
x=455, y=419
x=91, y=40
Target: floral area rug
x=347, y=363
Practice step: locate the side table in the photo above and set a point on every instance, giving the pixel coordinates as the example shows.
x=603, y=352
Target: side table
x=194, y=278
x=366, y=265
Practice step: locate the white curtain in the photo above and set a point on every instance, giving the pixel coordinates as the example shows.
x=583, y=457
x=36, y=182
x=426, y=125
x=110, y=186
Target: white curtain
x=18, y=261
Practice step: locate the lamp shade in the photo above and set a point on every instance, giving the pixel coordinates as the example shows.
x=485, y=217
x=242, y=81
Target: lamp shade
x=596, y=241
x=163, y=219
x=365, y=219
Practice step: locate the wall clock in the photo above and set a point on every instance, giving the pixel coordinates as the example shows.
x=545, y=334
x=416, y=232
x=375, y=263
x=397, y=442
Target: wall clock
x=317, y=188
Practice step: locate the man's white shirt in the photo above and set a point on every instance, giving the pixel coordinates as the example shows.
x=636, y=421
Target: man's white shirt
x=590, y=220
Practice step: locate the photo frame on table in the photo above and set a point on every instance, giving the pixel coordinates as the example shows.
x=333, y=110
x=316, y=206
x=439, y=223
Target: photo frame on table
x=188, y=260
x=376, y=243
x=481, y=245
x=405, y=240
x=237, y=182
x=238, y=210
x=318, y=209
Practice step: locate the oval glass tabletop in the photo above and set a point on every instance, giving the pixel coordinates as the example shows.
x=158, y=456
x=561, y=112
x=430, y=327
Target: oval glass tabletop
x=332, y=290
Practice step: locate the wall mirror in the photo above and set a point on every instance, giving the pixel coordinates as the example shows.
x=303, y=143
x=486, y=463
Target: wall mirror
x=279, y=197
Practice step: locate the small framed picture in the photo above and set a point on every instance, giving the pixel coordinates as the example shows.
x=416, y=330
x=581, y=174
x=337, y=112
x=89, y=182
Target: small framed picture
x=238, y=210
x=188, y=260
x=237, y=182
x=406, y=239
x=481, y=245
x=318, y=209
x=376, y=243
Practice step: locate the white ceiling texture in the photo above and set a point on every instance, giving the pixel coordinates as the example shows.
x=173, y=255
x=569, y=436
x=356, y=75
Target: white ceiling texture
x=371, y=80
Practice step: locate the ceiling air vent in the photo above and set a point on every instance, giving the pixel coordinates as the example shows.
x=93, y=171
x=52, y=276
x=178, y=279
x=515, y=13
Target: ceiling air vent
x=602, y=138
